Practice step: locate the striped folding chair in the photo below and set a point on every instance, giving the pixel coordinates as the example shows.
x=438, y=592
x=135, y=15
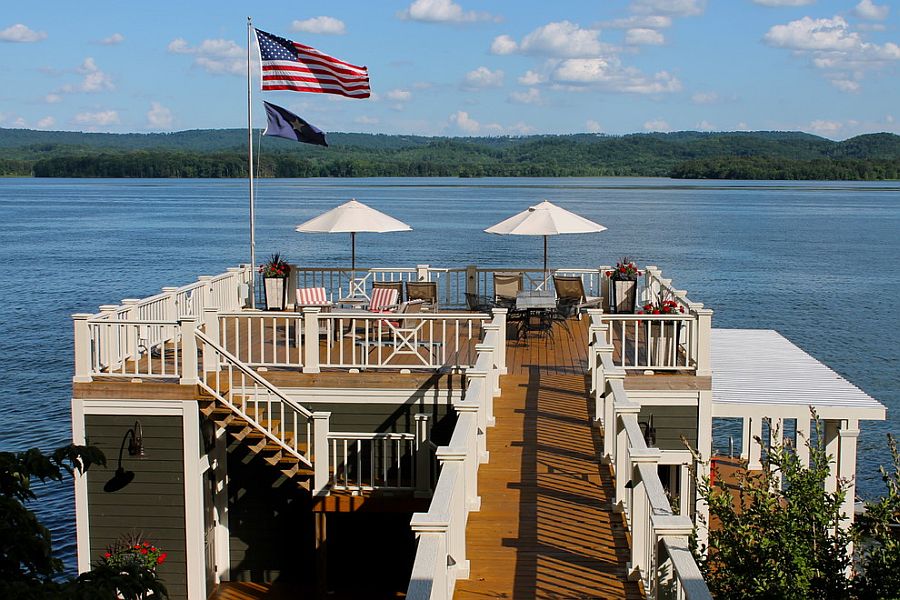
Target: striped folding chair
x=312, y=297
x=383, y=300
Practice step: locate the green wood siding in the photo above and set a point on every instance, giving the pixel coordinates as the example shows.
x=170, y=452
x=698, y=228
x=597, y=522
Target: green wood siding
x=671, y=422
x=153, y=503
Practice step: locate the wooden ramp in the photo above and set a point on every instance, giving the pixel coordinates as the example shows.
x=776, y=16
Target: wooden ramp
x=545, y=529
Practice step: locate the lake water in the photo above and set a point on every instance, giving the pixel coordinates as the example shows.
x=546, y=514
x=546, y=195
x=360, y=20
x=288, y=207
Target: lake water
x=818, y=261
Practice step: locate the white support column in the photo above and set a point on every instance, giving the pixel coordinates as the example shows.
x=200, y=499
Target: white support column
x=832, y=449
x=746, y=437
x=755, y=449
x=494, y=372
x=684, y=491
x=82, y=348
x=311, y=339
x=188, y=351
x=207, y=291
x=704, y=447
x=801, y=439
x=321, y=471
x=609, y=411
x=171, y=308
x=704, y=333
x=423, y=457
x=847, y=467
x=456, y=543
x=426, y=531
x=621, y=459
x=639, y=519
x=500, y=315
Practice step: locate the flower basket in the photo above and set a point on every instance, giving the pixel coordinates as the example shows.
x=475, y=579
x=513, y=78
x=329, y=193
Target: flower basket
x=662, y=336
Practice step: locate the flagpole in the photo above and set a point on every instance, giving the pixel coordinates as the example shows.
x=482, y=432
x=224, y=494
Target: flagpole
x=250, y=170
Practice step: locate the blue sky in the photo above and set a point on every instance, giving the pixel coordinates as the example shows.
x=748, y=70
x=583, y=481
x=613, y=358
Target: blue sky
x=463, y=67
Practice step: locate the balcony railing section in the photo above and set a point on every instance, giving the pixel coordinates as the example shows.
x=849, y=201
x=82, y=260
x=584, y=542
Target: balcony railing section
x=659, y=537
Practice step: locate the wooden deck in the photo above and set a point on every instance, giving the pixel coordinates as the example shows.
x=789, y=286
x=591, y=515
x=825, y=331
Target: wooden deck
x=545, y=529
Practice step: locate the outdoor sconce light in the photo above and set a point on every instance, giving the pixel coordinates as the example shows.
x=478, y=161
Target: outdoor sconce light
x=122, y=477
x=649, y=432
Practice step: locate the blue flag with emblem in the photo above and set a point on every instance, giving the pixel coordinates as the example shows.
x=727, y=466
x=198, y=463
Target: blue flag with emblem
x=283, y=123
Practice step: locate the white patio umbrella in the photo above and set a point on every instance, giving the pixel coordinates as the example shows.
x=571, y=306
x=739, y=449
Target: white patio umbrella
x=545, y=219
x=353, y=217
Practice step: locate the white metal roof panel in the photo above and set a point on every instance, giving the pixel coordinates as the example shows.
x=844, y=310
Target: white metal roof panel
x=760, y=366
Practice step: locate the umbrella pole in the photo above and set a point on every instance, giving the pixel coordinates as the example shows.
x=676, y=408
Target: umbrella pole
x=546, y=272
x=352, y=257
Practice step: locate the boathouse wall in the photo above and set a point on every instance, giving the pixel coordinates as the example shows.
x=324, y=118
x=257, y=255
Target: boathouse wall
x=151, y=504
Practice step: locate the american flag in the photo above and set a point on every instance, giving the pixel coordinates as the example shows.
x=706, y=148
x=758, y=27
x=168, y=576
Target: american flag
x=287, y=65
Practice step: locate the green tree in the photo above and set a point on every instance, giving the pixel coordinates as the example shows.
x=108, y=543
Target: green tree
x=28, y=569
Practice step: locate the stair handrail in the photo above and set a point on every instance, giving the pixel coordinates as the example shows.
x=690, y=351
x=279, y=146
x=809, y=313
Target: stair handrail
x=235, y=363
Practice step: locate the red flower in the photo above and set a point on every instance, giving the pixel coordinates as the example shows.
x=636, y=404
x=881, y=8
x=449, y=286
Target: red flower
x=161, y=559
x=107, y=555
x=143, y=551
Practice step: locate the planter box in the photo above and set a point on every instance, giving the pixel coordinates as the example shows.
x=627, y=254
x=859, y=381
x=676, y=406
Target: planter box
x=662, y=343
x=276, y=292
x=623, y=296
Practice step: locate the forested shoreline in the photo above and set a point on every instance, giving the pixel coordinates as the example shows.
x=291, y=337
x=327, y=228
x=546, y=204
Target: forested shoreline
x=687, y=155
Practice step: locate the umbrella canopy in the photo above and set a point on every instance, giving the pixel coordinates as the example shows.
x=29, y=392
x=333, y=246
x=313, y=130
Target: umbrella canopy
x=353, y=217
x=545, y=219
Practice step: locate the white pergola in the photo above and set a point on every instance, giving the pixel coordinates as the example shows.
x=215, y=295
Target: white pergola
x=759, y=374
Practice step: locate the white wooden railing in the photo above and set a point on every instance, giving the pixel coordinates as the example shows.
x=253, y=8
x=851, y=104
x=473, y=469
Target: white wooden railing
x=312, y=340
x=112, y=341
x=384, y=461
x=441, y=532
x=659, y=538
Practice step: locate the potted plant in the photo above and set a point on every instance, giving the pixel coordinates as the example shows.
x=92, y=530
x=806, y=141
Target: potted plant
x=275, y=273
x=623, y=286
x=136, y=560
x=662, y=340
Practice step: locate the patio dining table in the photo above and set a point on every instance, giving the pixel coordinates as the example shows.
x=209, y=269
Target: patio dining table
x=536, y=308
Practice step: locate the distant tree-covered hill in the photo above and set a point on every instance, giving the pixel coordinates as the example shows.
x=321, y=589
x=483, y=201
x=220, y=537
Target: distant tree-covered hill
x=222, y=153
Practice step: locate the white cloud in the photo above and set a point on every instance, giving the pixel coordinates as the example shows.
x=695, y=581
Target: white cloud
x=814, y=34
x=94, y=119
x=846, y=85
x=159, y=117
x=825, y=128
x=520, y=128
x=366, y=120
x=529, y=96
x=676, y=8
x=783, y=2
x=593, y=126
x=442, y=11
x=399, y=95
x=531, y=78
x=482, y=77
x=20, y=122
x=114, y=39
x=705, y=98
x=609, y=75
x=867, y=9
x=22, y=34
x=742, y=126
x=648, y=21
x=324, y=25
x=563, y=39
x=833, y=47
x=641, y=36
x=503, y=44
x=46, y=123
x=93, y=81
x=216, y=56
x=705, y=125
x=464, y=122
x=657, y=125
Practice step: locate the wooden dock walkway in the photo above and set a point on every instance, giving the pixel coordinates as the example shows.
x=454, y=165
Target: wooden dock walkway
x=545, y=529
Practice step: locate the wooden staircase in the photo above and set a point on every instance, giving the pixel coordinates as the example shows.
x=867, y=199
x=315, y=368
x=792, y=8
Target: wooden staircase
x=240, y=430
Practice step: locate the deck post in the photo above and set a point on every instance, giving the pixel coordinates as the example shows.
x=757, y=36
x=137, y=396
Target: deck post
x=211, y=328
x=704, y=447
x=132, y=334
x=622, y=459
x=471, y=279
x=801, y=440
x=207, y=290
x=422, y=273
x=423, y=457
x=702, y=341
x=82, y=348
x=847, y=468
x=595, y=318
x=321, y=426
x=754, y=449
x=500, y=316
x=494, y=370
x=456, y=530
x=188, y=326
x=171, y=310
x=746, y=438
x=311, y=339
x=832, y=449
x=110, y=354
x=640, y=515
x=434, y=574
x=610, y=410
